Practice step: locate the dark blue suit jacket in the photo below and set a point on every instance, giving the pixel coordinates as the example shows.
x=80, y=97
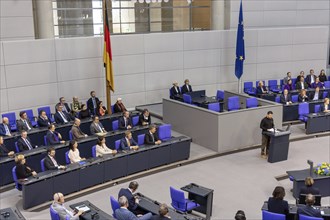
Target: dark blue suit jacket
x=59, y=120
x=322, y=108
x=3, y=130
x=52, y=138
x=131, y=200
x=121, y=123
x=259, y=91
x=278, y=206
x=309, y=211
x=124, y=146
x=308, y=79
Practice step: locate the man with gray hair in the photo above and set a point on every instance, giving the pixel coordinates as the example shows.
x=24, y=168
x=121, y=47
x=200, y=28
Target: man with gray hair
x=124, y=214
x=5, y=127
x=59, y=208
x=309, y=209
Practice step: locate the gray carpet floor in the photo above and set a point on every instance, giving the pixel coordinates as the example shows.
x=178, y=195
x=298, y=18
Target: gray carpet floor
x=240, y=181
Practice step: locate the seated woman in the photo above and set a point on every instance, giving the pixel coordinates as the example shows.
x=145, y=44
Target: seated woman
x=100, y=109
x=276, y=204
x=75, y=105
x=175, y=91
x=119, y=106
x=317, y=83
x=289, y=86
x=101, y=148
x=322, y=76
x=326, y=106
x=84, y=112
x=74, y=154
x=309, y=188
x=22, y=169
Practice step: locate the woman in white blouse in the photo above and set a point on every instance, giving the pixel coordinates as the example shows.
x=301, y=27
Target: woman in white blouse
x=74, y=154
x=101, y=148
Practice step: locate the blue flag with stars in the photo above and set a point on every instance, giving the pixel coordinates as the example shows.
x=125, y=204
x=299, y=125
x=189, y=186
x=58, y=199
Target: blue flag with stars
x=240, y=47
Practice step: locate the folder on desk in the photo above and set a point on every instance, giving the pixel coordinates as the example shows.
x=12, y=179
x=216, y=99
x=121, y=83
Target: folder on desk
x=83, y=208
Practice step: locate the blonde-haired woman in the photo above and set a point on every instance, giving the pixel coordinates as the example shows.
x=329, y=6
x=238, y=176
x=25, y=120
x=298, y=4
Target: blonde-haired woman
x=22, y=169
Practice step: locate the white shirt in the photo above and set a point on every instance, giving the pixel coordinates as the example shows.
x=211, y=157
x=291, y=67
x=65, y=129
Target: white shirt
x=74, y=156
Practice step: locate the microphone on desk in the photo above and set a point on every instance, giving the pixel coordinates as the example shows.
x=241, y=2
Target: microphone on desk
x=95, y=215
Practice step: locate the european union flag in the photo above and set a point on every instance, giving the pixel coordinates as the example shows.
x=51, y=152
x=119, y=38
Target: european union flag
x=240, y=48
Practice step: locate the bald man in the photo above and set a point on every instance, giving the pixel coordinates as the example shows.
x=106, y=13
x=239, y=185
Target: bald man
x=58, y=206
x=5, y=127
x=309, y=209
x=76, y=131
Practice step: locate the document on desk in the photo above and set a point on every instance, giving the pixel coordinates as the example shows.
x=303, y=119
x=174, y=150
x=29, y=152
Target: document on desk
x=83, y=208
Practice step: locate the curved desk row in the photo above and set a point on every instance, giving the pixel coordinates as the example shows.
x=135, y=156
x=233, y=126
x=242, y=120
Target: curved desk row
x=95, y=171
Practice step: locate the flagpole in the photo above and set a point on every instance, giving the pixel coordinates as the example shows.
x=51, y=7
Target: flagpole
x=108, y=95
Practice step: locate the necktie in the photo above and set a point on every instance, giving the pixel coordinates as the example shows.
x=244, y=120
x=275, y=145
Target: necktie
x=125, y=122
x=27, y=125
x=188, y=88
x=94, y=103
x=285, y=98
x=176, y=89
x=302, y=85
x=152, y=136
x=28, y=143
x=54, y=161
x=98, y=125
x=128, y=142
x=7, y=130
x=63, y=117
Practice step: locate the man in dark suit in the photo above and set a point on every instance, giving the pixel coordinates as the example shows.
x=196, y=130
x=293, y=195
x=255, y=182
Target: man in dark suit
x=92, y=103
x=261, y=89
x=302, y=97
x=4, y=152
x=53, y=137
x=301, y=74
x=96, y=126
x=43, y=120
x=175, y=91
x=285, y=98
x=309, y=209
x=125, y=122
x=128, y=193
x=62, y=117
x=316, y=95
x=124, y=214
x=145, y=118
x=151, y=136
x=76, y=131
x=163, y=213
x=65, y=105
x=50, y=161
x=5, y=127
x=301, y=84
x=310, y=79
x=186, y=87
x=24, y=143
x=23, y=123
x=128, y=143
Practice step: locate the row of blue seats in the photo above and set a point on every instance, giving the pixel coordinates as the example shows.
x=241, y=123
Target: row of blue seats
x=164, y=134
x=29, y=112
x=274, y=216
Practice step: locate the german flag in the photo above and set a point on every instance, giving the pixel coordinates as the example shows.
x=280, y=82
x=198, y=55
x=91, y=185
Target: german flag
x=107, y=55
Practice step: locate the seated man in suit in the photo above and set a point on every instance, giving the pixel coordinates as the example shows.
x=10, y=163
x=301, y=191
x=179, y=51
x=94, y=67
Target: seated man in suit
x=125, y=214
x=163, y=213
x=151, y=136
x=62, y=117
x=96, y=126
x=175, y=91
x=119, y=106
x=145, y=118
x=316, y=95
x=50, y=161
x=309, y=209
x=301, y=74
x=128, y=143
x=24, y=143
x=302, y=97
x=43, y=120
x=5, y=127
x=301, y=84
x=125, y=122
x=261, y=89
x=326, y=106
x=186, y=87
x=53, y=137
x=311, y=78
x=24, y=122
x=92, y=103
x=59, y=208
x=65, y=106
x=285, y=98
x=132, y=200
x=76, y=131
x=4, y=152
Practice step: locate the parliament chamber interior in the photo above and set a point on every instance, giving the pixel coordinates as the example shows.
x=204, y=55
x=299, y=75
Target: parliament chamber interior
x=164, y=109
